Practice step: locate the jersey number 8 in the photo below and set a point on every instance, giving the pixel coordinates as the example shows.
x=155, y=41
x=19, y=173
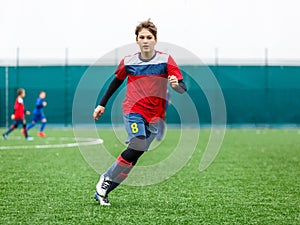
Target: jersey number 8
x=134, y=128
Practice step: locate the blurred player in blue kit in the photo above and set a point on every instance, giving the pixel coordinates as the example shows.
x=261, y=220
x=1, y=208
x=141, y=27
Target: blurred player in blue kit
x=38, y=114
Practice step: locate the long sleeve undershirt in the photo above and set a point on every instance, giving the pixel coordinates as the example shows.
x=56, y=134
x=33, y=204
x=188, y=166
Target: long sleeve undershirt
x=116, y=83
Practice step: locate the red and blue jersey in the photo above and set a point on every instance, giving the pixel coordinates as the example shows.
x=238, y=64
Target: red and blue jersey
x=147, y=84
x=19, y=109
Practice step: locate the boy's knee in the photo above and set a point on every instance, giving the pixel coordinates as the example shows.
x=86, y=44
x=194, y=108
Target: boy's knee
x=138, y=143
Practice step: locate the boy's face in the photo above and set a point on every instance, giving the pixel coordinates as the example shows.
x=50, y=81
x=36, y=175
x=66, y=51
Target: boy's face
x=43, y=95
x=22, y=95
x=146, y=41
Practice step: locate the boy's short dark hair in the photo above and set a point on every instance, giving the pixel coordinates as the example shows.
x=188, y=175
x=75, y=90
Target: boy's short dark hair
x=20, y=91
x=147, y=25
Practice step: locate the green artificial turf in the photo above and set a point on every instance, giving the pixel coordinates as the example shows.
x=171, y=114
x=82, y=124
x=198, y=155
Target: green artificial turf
x=254, y=180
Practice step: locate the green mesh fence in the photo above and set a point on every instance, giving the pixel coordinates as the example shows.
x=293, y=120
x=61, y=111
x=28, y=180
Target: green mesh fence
x=253, y=94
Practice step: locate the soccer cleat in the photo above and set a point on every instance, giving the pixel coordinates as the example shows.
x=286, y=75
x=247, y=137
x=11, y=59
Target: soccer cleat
x=23, y=132
x=103, y=185
x=102, y=200
x=29, y=139
x=5, y=136
x=41, y=134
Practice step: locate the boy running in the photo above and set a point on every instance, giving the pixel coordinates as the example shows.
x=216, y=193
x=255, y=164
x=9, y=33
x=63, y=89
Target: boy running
x=38, y=114
x=19, y=115
x=148, y=73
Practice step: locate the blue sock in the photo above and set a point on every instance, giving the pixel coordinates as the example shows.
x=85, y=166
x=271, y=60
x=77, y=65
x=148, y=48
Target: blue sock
x=118, y=180
x=43, y=126
x=31, y=125
x=25, y=130
x=9, y=130
x=112, y=187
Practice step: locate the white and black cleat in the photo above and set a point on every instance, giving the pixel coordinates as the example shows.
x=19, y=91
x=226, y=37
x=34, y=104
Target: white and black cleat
x=103, y=185
x=5, y=136
x=102, y=200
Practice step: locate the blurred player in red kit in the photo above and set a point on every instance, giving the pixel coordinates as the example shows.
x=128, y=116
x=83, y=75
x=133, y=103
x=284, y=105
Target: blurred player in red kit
x=19, y=115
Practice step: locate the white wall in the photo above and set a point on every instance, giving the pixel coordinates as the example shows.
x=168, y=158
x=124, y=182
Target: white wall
x=240, y=29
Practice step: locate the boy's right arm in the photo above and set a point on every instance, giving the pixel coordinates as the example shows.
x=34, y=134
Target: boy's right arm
x=114, y=85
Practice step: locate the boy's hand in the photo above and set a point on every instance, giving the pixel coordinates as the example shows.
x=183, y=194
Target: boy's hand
x=98, y=112
x=173, y=81
x=28, y=113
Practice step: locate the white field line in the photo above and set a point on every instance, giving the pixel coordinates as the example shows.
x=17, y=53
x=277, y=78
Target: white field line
x=67, y=145
x=54, y=138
